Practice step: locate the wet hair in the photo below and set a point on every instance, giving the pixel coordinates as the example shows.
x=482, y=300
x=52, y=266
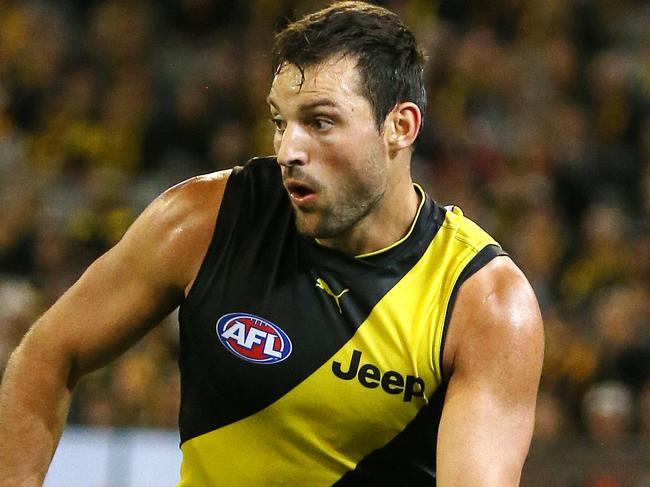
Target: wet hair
x=389, y=61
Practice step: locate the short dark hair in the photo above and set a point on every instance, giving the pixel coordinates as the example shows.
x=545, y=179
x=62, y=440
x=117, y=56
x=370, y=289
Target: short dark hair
x=389, y=61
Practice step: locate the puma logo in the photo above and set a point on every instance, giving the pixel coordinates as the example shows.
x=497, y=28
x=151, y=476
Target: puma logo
x=323, y=285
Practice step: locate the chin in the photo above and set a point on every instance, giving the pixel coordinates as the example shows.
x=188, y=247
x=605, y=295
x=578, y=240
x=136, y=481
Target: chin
x=307, y=230
x=316, y=229
x=324, y=225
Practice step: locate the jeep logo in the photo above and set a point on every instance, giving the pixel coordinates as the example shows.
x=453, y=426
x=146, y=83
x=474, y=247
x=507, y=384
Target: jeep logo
x=371, y=377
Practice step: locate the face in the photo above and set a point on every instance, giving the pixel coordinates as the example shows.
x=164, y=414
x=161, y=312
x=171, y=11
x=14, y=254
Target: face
x=333, y=158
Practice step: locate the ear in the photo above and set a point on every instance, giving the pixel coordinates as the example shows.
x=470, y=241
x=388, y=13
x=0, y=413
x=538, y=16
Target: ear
x=402, y=125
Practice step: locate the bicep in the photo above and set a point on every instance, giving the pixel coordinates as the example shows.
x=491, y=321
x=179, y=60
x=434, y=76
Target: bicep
x=132, y=287
x=113, y=304
x=489, y=409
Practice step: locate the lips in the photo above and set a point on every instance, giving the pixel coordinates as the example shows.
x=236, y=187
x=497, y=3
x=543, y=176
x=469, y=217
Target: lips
x=299, y=191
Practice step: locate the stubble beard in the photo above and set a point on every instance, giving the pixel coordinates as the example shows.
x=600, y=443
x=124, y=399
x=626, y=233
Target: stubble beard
x=335, y=220
x=351, y=203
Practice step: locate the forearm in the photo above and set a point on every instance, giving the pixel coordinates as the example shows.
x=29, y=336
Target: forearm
x=34, y=403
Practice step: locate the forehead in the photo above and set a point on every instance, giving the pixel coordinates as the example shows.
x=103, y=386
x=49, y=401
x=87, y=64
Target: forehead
x=336, y=78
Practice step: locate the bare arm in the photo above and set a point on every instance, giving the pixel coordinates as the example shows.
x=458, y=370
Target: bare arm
x=494, y=351
x=119, y=298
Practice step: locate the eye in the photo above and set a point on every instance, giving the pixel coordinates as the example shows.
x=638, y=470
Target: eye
x=322, y=124
x=280, y=124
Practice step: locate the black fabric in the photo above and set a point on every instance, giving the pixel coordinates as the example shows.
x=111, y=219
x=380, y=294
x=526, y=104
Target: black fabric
x=409, y=458
x=257, y=263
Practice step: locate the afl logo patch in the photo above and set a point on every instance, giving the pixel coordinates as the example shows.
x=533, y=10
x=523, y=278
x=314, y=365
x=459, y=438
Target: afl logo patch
x=253, y=339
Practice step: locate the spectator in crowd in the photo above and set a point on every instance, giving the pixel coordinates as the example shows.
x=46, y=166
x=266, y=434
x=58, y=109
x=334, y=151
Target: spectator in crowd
x=539, y=128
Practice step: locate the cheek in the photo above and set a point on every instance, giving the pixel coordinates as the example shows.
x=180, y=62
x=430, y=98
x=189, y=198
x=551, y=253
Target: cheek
x=355, y=167
x=277, y=140
x=352, y=149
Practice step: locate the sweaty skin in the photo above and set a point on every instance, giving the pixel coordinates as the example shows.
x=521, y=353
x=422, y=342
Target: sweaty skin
x=117, y=300
x=350, y=186
x=493, y=358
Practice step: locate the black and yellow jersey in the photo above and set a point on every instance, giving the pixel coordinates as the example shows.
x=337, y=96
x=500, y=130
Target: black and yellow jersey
x=304, y=366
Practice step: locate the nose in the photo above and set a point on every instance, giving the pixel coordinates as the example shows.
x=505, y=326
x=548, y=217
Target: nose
x=291, y=146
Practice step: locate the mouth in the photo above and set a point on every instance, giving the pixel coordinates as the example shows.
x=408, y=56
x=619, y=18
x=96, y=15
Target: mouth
x=300, y=193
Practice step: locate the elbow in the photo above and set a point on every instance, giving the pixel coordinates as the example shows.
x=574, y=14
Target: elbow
x=41, y=359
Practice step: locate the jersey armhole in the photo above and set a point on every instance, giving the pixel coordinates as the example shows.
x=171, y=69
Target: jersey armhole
x=225, y=221
x=480, y=260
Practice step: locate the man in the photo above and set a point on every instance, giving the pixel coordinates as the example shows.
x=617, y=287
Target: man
x=337, y=325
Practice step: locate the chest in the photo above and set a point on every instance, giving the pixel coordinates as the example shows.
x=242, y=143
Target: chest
x=309, y=336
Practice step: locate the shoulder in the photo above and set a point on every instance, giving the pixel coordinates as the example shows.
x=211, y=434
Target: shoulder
x=188, y=211
x=496, y=320
x=171, y=236
x=190, y=201
x=496, y=351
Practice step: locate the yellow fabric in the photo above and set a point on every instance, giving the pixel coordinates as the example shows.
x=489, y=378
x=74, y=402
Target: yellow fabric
x=323, y=427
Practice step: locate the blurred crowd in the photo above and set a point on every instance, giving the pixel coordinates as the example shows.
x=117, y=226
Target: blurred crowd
x=538, y=126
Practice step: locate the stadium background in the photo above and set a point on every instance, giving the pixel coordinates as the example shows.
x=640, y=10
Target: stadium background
x=538, y=127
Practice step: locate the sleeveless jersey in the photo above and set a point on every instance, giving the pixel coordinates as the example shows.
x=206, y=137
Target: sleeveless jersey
x=304, y=366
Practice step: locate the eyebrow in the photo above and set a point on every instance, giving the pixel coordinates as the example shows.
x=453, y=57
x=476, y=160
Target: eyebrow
x=318, y=102
x=310, y=105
